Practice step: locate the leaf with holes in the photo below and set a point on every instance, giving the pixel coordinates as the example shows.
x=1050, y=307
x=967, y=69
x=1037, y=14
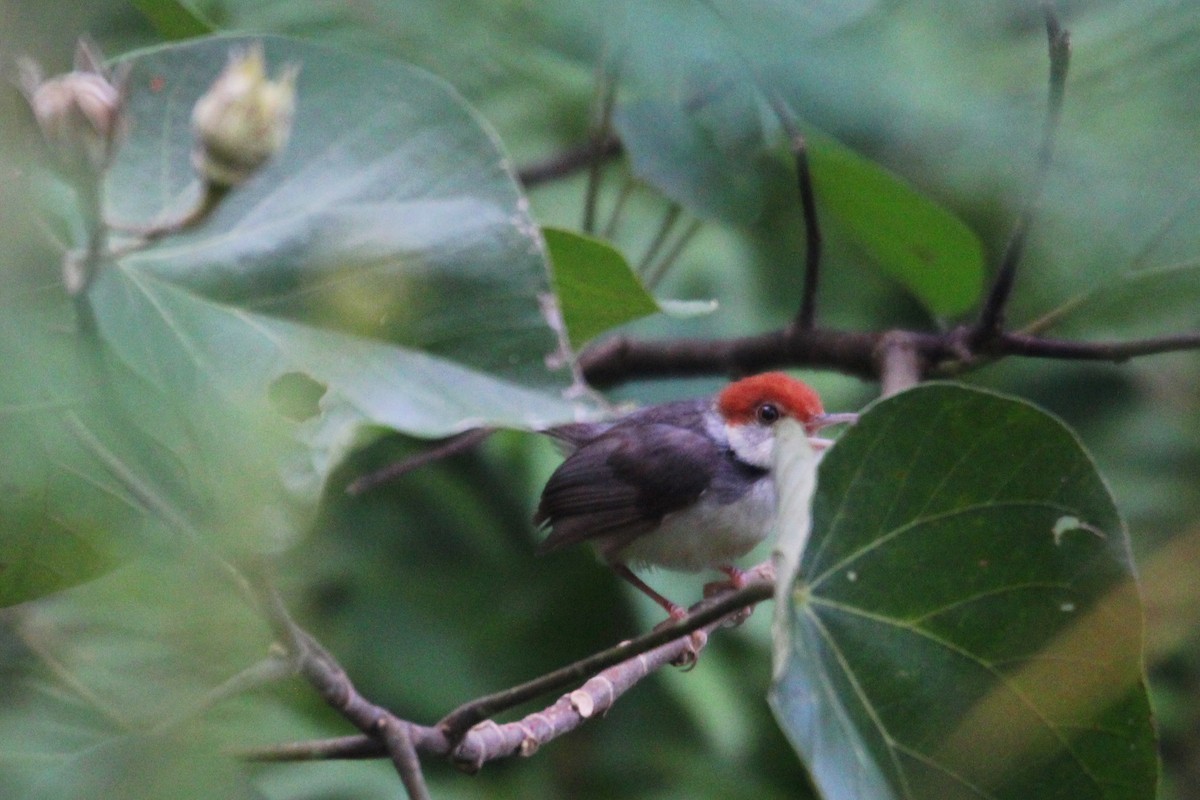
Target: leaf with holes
x=382, y=273
x=964, y=622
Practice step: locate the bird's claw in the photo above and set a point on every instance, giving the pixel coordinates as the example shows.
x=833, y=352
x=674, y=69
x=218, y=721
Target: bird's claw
x=696, y=641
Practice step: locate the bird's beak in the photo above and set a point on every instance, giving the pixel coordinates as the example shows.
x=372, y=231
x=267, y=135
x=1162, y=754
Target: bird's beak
x=824, y=421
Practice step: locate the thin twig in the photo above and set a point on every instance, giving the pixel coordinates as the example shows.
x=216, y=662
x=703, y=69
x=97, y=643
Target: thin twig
x=991, y=318
x=656, y=272
x=142, y=491
x=614, y=216
x=399, y=741
x=606, y=96
x=807, y=315
x=669, y=218
x=459, y=443
x=275, y=667
x=1016, y=344
x=569, y=162
x=337, y=748
x=142, y=236
x=30, y=635
x=469, y=714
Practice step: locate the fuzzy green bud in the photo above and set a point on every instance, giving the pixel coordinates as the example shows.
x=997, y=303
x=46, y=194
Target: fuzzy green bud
x=243, y=120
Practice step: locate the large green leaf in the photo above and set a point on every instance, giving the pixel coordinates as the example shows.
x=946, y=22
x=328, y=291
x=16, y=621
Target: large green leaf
x=392, y=214
x=702, y=131
x=697, y=120
x=381, y=274
x=965, y=620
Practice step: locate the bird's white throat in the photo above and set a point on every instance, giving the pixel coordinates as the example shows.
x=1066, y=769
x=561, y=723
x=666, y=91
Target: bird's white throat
x=753, y=444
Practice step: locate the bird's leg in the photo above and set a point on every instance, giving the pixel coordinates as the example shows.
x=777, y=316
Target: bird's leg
x=696, y=640
x=675, y=612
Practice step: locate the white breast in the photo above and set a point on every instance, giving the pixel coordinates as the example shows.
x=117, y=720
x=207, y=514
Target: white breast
x=708, y=534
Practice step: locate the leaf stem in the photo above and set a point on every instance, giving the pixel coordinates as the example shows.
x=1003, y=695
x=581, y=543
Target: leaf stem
x=991, y=318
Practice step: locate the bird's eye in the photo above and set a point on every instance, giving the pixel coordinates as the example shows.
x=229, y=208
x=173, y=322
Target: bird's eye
x=767, y=413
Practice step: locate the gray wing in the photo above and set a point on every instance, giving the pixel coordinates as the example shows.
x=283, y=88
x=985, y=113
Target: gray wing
x=621, y=484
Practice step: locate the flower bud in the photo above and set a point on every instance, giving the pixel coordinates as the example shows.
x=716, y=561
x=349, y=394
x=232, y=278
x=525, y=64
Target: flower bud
x=80, y=114
x=243, y=119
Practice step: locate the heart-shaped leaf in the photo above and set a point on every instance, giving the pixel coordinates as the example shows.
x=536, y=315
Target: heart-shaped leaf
x=965, y=620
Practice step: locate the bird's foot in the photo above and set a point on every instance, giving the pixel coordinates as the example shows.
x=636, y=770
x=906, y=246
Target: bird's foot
x=736, y=580
x=696, y=640
x=688, y=659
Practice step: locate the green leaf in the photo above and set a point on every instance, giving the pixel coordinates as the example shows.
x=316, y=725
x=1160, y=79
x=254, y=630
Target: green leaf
x=381, y=273
x=714, y=168
x=174, y=19
x=597, y=290
x=389, y=258
x=392, y=214
x=694, y=114
x=965, y=621
x=916, y=241
x=69, y=509
x=110, y=709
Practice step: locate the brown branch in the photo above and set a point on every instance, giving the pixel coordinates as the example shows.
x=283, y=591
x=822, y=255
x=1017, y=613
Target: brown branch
x=1017, y=344
x=329, y=679
x=612, y=672
x=620, y=358
x=868, y=355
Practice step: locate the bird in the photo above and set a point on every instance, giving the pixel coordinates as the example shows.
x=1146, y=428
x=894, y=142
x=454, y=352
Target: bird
x=684, y=485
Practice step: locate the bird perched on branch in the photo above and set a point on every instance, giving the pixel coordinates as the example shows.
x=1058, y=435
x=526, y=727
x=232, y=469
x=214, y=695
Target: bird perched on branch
x=684, y=485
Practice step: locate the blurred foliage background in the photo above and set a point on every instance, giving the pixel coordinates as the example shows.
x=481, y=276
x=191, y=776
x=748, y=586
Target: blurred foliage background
x=427, y=590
